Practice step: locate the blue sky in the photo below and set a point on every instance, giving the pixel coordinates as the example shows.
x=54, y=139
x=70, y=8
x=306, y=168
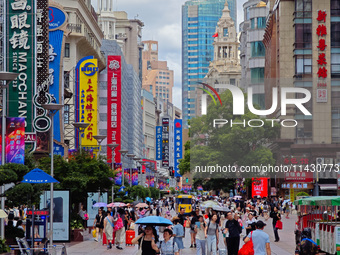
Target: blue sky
x=162, y=22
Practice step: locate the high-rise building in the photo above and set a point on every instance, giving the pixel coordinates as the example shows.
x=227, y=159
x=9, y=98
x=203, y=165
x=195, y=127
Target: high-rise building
x=157, y=78
x=199, y=20
x=252, y=49
x=301, y=41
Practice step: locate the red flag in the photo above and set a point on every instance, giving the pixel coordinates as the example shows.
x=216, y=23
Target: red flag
x=215, y=35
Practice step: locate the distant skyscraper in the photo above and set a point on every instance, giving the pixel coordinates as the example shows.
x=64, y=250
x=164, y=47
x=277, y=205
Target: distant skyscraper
x=199, y=21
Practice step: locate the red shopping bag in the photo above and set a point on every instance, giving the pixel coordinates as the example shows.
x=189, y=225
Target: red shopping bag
x=247, y=248
x=278, y=224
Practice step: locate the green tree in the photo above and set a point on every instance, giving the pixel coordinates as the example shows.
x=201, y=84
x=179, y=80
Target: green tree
x=154, y=193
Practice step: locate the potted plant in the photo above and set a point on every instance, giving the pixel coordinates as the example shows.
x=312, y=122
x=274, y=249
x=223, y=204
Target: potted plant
x=77, y=230
x=4, y=247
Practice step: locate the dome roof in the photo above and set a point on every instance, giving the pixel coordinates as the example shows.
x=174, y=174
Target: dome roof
x=261, y=4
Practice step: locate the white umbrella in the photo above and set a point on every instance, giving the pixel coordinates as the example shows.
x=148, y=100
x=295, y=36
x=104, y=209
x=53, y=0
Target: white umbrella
x=3, y=214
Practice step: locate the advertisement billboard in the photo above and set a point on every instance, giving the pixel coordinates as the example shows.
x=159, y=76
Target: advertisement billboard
x=118, y=170
x=87, y=100
x=114, y=80
x=15, y=140
x=158, y=143
x=165, y=142
x=259, y=187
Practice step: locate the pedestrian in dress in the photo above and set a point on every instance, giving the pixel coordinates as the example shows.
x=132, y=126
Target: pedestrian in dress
x=178, y=233
x=212, y=235
x=276, y=216
x=200, y=227
x=99, y=225
x=108, y=229
x=260, y=239
x=147, y=241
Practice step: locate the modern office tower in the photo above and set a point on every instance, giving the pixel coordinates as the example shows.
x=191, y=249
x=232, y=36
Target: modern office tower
x=199, y=20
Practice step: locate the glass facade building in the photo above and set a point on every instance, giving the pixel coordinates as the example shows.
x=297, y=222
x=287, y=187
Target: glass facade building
x=199, y=21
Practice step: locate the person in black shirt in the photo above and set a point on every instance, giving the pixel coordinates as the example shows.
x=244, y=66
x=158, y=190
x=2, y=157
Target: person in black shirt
x=276, y=216
x=182, y=218
x=193, y=221
x=234, y=229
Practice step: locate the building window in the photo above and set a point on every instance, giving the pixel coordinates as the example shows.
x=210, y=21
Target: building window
x=303, y=65
x=335, y=7
x=67, y=50
x=150, y=88
x=252, y=23
x=225, y=32
x=232, y=81
x=303, y=36
x=261, y=22
x=66, y=79
x=335, y=34
x=257, y=49
x=304, y=129
x=303, y=8
x=335, y=65
x=257, y=75
x=66, y=114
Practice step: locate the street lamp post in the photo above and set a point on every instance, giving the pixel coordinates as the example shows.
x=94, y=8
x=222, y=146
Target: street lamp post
x=80, y=126
x=99, y=139
x=123, y=153
x=53, y=109
x=6, y=78
x=112, y=146
x=130, y=156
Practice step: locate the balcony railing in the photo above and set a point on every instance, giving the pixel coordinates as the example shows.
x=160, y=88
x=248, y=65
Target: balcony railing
x=76, y=28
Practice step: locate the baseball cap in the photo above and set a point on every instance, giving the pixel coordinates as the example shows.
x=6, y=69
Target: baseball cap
x=260, y=224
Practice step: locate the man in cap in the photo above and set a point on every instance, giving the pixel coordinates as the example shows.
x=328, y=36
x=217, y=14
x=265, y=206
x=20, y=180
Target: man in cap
x=260, y=239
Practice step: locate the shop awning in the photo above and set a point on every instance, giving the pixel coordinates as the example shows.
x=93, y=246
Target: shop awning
x=328, y=186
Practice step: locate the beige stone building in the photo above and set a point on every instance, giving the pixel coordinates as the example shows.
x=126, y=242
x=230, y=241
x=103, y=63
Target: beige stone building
x=157, y=77
x=225, y=68
x=295, y=36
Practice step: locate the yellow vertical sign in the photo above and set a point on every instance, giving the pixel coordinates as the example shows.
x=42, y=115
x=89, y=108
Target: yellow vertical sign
x=88, y=103
x=291, y=193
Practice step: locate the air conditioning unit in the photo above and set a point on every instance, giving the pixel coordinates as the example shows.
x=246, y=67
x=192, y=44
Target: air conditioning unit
x=320, y=161
x=329, y=161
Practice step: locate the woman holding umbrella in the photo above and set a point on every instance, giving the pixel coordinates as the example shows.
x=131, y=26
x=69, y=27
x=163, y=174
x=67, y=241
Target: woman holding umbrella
x=147, y=241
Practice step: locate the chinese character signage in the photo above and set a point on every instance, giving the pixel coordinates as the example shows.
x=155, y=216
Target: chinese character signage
x=158, y=143
x=15, y=140
x=165, y=142
x=58, y=149
x=178, y=145
x=57, y=24
x=87, y=99
x=114, y=81
x=259, y=187
x=321, y=31
x=20, y=58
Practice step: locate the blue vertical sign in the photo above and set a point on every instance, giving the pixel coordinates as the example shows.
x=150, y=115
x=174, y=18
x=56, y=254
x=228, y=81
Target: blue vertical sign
x=178, y=145
x=159, y=143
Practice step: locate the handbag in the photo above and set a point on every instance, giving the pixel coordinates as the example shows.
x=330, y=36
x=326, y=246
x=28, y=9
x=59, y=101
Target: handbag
x=132, y=225
x=94, y=234
x=278, y=224
x=119, y=224
x=187, y=224
x=139, y=251
x=86, y=216
x=247, y=248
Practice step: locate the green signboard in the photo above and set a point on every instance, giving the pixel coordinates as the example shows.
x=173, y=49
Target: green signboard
x=20, y=56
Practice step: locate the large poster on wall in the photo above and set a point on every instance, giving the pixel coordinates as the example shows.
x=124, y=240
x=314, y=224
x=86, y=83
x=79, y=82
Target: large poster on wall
x=92, y=198
x=15, y=140
x=61, y=220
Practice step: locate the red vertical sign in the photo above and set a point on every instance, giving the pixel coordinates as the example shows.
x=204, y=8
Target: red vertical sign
x=114, y=89
x=259, y=187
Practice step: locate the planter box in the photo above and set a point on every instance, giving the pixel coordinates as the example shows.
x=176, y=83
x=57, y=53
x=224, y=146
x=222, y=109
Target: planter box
x=77, y=235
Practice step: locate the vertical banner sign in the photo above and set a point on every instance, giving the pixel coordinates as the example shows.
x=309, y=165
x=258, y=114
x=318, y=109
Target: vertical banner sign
x=134, y=176
x=158, y=143
x=87, y=100
x=165, y=142
x=20, y=56
x=114, y=81
x=118, y=170
x=15, y=140
x=321, y=31
x=42, y=121
x=127, y=175
x=178, y=145
x=57, y=24
x=152, y=180
x=259, y=187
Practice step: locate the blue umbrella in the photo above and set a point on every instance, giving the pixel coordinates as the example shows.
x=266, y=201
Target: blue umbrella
x=100, y=204
x=154, y=220
x=148, y=199
x=38, y=176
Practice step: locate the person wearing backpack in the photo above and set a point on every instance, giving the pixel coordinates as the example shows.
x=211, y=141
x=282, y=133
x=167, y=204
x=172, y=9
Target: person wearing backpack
x=168, y=246
x=212, y=235
x=233, y=228
x=307, y=246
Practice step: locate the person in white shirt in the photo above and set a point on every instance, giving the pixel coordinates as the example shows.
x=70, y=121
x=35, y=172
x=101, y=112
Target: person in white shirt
x=250, y=223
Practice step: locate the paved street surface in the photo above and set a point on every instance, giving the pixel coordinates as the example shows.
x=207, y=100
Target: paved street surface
x=284, y=247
